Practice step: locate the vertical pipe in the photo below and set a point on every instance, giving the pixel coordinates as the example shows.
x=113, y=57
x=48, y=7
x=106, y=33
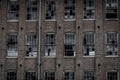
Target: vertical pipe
x=39, y=39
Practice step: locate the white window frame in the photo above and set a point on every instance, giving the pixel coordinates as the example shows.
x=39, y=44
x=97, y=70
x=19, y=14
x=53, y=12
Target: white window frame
x=84, y=11
x=112, y=71
x=69, y=44
x=13, y=52
x=106, y=12
x=70, y=17
x=49, y=75
x=53, y=18
x=51, y=47
x=31, y=74
x=15, y=75
x=70, y=72
x=34, y=14
x=9, y=11
x=92, y=54
x=89, y=75
x=31, y=44
x=115, y=55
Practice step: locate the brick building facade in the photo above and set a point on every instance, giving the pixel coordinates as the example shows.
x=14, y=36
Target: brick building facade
x=59, y=39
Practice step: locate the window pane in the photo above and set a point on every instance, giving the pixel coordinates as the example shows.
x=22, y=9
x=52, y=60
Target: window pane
x=50, y=49
x=31, y=9
x=89, y=44
x=69, y=44
x=69, y=76
x=13, y=9
x=111, y=9
x=50, y=9
x=11, y=76
x=69, y=9
x=49, y=75
x=12, y=45
x=88, y=75
x=30, y=76
x=89, y=9
x=31, y=45
x=112, y=75
x=111, y=43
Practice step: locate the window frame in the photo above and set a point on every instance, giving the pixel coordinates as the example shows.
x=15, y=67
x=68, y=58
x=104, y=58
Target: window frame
x=91, y=72
x=9, y=71
x=112, y=71
x=84, y=33
x=94, y=12
x=47, y=73
x=112, y=55
x=117, y=12
x=9, y=11
x=69, y=71
x=34, y=73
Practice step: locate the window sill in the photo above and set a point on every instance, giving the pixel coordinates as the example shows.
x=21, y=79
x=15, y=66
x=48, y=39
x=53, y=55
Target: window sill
x=112, y=56
x=116, y=19
x=31, y=20
x=88, y=19
x=69, y=56
x=30, y=57
x=49, y=56
x=89, y=56
x=69, y=19
x=11, y=57
x=13, y=20
x=50, y=20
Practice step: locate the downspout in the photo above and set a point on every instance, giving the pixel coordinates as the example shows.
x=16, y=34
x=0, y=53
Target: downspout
x=39, y=40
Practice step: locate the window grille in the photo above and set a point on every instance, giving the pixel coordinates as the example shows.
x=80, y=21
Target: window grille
x=111, y=9
x=89, y=75
x=69, y=44
x=49, y=75
x=50, y=9
x=31, y=9
x=89, y=9
x=11, y=76
x=50, y=45
x=31, y=45
x=30, y=76
x=12, y=45
x=89, y=44
x=69, y=76
x=112, y=43
x=112, y=75
x=69, y=9
x=13, y=10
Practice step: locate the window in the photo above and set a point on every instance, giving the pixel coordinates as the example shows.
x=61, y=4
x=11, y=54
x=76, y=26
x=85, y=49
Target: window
x=69, y=9
x=31, y=9
x=30, y=76
x=69, y=44
x=50, y=9
x=69, y=76
x=111, y=9
x=11, y=76
x=88, y=75
x=12, y=45
x=89, y=44
x=31, y=45
x=49, y=75
x=50, y=45
x=111, y=43
x=112, y=75
x=13, y=9
x=89, y=9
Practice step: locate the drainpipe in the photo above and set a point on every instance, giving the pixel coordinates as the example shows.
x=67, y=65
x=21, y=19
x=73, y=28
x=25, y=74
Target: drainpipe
x=39, y=40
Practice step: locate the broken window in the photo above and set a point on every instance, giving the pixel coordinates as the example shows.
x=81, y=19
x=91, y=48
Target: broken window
x=50, y=75
x=11, y=76
x=12, y=45
x=111, y=9
x=69, y=9
x=89, y=9
x=31, y=9
x=50, y=49
x=89, y=44
x=30, y=76
x=13, y=10
x=111, y=43
x=69, y=44
x=89, y=75
x=112, y=75
x=69, y=76
x=50, y=9
x=31, y=45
